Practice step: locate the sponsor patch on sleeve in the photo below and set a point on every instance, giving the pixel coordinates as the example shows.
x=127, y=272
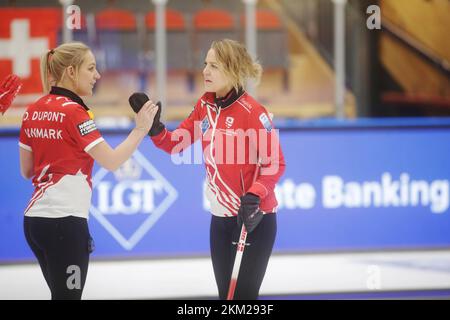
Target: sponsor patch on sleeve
x=265, y=122
x=87, y=127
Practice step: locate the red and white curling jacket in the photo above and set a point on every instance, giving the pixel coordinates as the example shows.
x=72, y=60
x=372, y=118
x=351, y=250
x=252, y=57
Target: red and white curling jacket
x=238, y=138
x=59, y=130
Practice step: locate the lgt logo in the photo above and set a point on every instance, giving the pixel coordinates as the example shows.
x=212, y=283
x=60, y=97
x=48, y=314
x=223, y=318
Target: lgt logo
x=129, y=201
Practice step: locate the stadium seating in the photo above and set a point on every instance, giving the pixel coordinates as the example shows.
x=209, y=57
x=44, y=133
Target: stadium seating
x=210, y=25
x=272, y=49
x=178, y=44
x=118, y=39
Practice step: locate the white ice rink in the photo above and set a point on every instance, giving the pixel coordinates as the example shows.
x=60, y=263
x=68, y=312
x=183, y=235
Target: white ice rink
x=286, y=275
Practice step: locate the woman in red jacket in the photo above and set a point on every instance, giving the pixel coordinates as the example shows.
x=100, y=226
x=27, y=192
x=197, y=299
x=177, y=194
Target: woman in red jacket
x=58, y=145
x=243, y=162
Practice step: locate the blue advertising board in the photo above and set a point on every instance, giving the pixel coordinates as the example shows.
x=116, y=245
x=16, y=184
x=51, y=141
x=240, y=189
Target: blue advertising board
x=348, y=187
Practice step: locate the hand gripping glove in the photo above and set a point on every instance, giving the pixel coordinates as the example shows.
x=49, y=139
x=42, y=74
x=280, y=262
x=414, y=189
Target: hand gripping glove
x=137, y=100
x=249, y=212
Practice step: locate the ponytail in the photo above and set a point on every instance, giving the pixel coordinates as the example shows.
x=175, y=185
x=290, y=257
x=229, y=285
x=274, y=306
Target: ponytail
x=45, y=70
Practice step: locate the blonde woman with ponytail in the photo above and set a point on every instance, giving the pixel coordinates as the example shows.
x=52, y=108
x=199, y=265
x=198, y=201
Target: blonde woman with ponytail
x=243, y=162
x=58, y=145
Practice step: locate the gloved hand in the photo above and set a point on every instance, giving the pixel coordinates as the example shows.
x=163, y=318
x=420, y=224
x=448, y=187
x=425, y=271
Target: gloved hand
x=249, y=212
x=9, y=88
x=137, y=100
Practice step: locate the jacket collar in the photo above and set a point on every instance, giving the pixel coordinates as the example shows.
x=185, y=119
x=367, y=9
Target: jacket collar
x=69, y=94
x=229, y=98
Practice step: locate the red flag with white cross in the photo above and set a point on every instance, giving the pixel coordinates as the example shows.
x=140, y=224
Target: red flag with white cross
x=25, y=35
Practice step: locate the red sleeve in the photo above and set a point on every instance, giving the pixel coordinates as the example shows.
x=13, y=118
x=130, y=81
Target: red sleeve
x=186, y=134
x=82, y=129
x=269, y=152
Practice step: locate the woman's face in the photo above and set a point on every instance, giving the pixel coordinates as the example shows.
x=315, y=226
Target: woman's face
x=87, y=75
x=214, y=78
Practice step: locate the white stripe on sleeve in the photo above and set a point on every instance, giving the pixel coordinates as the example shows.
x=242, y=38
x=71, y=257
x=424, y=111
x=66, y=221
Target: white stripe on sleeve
x=24, y=146
x=93, y=144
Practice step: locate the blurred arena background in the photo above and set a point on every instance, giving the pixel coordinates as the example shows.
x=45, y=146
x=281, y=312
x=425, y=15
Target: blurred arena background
x=360, y=91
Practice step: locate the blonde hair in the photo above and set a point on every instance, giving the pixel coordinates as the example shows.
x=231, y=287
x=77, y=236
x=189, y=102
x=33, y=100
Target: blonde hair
x=55, y=62
x=236, y=62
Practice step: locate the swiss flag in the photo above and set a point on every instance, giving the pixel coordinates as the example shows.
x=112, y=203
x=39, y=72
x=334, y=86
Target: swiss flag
x=25, y=35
